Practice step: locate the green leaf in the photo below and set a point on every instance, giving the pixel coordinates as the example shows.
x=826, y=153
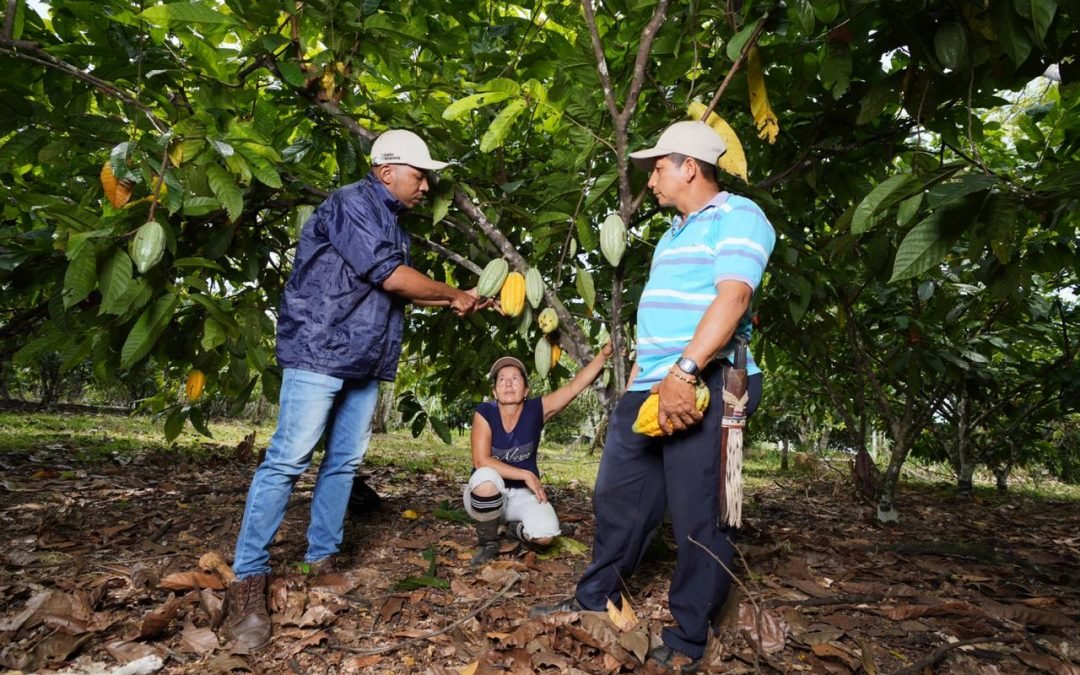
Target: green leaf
x=113, y=282
x=907, y=210
x=739, y=40
x=185, y=13
x=1011, y=34
x=439, y=208
x=441, y=430
x=260, y=167
x=563, y=545
x=225, y=189
x=219, y=309
x=922, y=248
x=588, y=237
x=146, y=330
x=174, y=423
x=80, y=278
x=198, y=421
x=460, y=107
x=214, y=334
x=1040, y=13
x=866, y=213
x=803, y=15
x=500, y=126
x=585, y=287
x=197, y=262
x=77, y=240
x=826, y=11
x=292, y=73
x=953, y=191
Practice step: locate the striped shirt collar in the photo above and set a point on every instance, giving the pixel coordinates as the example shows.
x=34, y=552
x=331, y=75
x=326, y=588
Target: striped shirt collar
x=678, y=222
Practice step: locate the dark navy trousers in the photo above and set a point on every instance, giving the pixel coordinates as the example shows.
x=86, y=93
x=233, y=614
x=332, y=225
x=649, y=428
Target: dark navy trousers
x=638, y=476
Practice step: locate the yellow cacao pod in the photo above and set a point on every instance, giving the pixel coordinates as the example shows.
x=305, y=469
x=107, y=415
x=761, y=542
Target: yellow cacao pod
x=534, y=287
x=147, y=246
x=512, y=297
x=548, y=320
x=492, y=278
x=613, y=239
x=542, y=357
x=196, y=382
x=648, y=417
x=556, y=353
x=117, y=192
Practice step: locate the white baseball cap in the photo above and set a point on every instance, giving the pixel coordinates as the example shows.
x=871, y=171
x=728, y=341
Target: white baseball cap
x=693, y=139
x=398, y=146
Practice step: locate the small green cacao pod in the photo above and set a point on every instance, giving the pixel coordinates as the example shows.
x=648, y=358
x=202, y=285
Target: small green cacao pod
x=613, y=239
x=543, y=357
x=951, y=46
x=534, y=287
x=548, y=320
x=147, y=246
x=525, y=321
x=492, y=278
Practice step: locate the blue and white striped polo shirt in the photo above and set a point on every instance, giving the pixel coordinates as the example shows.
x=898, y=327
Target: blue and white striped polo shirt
x=730, y=238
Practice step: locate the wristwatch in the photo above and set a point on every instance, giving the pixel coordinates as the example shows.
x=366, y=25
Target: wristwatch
x=688, y=366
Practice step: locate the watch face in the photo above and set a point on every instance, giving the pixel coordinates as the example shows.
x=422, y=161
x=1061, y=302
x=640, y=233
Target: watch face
x=688, y=366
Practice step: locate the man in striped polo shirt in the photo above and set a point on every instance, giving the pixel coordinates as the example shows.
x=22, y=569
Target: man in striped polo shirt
x=695, y=306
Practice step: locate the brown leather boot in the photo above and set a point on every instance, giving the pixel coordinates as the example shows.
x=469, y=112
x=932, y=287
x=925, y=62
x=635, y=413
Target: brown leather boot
x=247, y=621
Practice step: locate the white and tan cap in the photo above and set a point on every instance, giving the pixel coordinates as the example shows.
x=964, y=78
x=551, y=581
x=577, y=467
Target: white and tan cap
x=398, y=146
x=505, y=361
x=693, y=139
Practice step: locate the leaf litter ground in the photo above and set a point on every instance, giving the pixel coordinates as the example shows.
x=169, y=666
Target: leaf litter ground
x=106, y=564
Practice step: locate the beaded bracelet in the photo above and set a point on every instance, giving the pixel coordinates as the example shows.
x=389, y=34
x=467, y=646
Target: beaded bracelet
x=681, y=375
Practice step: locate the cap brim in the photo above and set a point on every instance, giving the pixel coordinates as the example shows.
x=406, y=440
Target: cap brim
x=644, y=159
x=430, y=165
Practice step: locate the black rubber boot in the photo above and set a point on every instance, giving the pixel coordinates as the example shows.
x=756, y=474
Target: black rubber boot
x=487, y=535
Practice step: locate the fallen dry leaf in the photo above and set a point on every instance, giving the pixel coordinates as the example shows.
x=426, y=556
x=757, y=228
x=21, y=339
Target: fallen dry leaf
x=771, y=636
x=182, y=581
x=157, y=621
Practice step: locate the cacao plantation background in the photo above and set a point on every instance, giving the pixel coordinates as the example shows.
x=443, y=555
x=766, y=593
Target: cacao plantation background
x=918, y=160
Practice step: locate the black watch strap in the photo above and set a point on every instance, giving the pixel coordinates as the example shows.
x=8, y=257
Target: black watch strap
x=688, y=366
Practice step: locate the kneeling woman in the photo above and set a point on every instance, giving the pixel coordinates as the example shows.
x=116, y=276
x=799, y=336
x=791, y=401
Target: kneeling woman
x=505, y=484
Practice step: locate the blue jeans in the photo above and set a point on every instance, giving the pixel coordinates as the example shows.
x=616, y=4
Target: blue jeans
x=310, y=404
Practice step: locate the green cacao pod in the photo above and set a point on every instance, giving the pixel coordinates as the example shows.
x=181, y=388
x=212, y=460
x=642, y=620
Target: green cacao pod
x=534, y=287
x=147, y=246
x=613, y=239
x=524, y=322
x=548, y=320
x=542, y=356
x=492, y=278
x=951, y=46
x=512, y=295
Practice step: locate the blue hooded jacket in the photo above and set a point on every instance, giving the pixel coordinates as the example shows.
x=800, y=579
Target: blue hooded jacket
x=335, y=317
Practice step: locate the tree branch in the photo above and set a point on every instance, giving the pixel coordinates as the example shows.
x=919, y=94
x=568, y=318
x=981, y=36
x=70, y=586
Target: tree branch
x=9, y=20
x=735, y=67
x=601, y=60
x=458, y=260
x=572, y=338
x=29, y=51
x=648, y=36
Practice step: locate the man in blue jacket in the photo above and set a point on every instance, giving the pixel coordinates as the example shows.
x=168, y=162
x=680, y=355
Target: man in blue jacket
x=339, y=335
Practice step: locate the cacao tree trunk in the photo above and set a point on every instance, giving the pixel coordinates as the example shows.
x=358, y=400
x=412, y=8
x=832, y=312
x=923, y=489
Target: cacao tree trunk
x=887, y=503
x=965, y=464
x=784, y=455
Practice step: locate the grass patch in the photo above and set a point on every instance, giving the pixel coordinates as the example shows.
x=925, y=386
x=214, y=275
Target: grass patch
x=560, y=465
x=94, y=438
x=105, y=437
